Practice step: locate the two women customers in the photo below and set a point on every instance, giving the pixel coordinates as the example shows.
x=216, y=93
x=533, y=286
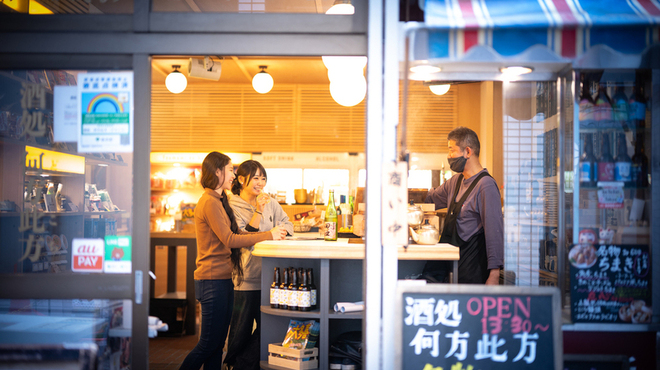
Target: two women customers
x=218, y=233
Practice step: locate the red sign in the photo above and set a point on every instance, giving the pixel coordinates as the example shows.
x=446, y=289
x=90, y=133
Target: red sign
x=88, y=255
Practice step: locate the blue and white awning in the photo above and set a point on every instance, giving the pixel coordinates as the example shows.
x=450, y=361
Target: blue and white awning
x=567, y=28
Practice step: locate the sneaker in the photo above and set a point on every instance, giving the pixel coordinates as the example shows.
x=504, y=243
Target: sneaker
x=348, y=364
x=335, y=363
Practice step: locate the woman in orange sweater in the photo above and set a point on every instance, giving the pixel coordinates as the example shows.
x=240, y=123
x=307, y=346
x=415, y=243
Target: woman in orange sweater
x=217, y=232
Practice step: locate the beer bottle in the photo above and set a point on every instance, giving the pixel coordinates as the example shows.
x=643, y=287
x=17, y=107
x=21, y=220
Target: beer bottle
x=275, y=289
x=293, y=289
x=622, y=165
x=312, y=288
x=284, y=290
x=304, y=293
x=587, y=165
x=640, y=164
x=606, y=162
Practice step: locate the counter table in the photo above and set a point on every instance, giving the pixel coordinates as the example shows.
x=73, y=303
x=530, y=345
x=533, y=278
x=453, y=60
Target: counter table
x=337, y=270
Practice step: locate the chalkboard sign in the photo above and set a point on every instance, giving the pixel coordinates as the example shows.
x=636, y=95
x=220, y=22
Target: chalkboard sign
x=478, y=327
x=610, y=283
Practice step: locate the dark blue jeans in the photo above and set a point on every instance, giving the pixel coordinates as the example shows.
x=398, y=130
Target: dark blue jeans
x=243, y=347
x=217, y=300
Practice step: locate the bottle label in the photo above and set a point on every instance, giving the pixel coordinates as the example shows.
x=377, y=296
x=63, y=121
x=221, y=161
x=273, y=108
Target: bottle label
x=603, y=111
x=605, y=171
x=637, y=110
x=293, y=298
x=622, y=171
x=586, y=110
x=284, y=297
x=585, y=172
x=621, y=110
x=274, y=296
x=313, y=297
x=304, y=298
x=330, y=230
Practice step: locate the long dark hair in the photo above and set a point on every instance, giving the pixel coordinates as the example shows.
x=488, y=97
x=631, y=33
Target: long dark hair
x=247, y=170
x=213, y=162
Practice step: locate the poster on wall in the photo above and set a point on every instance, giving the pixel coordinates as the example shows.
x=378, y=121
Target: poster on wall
x=105, y=122
x=610, y=283
x=441, y=326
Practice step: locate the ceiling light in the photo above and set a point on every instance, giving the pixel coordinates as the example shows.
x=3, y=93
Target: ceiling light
x=262, y=82
x=176, y=82
x=102, y=165
x=516, y=70
x=342, y=62
x=439, y=89
x=425, y=68
x=343, y=7
x=349, y=91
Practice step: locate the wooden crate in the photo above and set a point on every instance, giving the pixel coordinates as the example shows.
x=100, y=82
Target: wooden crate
x=296, y=357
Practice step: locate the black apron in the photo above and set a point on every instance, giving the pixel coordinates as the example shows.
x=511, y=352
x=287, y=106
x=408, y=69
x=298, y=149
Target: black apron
x=473, y=262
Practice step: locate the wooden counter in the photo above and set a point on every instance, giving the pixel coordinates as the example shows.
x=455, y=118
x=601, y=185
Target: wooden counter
x=342, y=249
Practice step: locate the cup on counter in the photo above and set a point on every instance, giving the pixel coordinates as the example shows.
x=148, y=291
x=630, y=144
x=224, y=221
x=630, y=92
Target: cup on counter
x=300, y=195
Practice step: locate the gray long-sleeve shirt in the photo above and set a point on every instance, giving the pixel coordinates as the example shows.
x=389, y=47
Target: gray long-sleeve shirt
x=273, y=214
x=482, y=208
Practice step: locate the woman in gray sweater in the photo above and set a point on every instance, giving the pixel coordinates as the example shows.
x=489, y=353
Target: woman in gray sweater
x=254, y=211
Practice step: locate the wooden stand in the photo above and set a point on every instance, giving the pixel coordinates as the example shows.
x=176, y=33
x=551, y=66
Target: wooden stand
x=297, y=358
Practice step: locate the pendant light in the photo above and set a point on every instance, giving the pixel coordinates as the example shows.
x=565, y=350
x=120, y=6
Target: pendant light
x=343, y=7
x=440, y=89
x=262, y=82
x=176, y=82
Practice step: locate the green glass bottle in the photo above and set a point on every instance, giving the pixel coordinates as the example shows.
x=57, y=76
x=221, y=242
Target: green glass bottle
x=331, y=218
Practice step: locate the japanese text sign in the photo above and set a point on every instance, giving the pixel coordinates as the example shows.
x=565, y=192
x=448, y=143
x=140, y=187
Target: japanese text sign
x=610, y=283
x=456, y=327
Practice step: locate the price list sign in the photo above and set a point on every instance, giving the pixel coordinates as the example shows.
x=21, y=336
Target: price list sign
x=610, y=283
x=464, y=327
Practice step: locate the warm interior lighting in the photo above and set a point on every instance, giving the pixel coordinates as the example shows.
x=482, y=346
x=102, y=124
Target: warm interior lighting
x=342, y=7
x=36, y=8
x=262, y=82
x=516, y=70
x=425, y=69
x=176, y=82
x=102, y=165
x=339, y=62
x=439, y=89
x=349, y=91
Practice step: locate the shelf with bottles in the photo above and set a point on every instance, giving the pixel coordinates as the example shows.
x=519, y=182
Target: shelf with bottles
x=314, y=314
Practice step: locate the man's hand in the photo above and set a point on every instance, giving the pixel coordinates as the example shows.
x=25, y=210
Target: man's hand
x=493, y=277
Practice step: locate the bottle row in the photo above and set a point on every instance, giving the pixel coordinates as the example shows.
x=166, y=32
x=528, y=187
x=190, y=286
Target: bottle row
x=626, y=110
x=631, y=171
x=293, y=289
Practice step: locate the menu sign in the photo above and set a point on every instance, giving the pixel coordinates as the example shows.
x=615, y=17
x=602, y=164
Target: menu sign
x=610, y=283
x=478, y=327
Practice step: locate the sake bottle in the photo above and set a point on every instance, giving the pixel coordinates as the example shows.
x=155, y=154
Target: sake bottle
x=304, y=292
x=293, y=289
x=331, y=219
x=275, y=289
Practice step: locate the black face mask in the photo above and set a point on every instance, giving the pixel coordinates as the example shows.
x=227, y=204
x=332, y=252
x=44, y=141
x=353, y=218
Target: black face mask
x=457, y=164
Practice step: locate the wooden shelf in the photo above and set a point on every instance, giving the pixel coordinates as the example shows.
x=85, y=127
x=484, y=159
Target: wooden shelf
x=346, y=315
x=290, y=313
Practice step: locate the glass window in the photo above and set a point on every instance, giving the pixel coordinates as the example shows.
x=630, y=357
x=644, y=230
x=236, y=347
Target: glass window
x=530, y=185
x=284, y=179
x=67, y=7
x=254, y=6
x=419, y=179
x=66, y=198
x=324, y=179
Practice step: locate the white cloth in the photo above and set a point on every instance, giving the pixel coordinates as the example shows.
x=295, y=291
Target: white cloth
x=349, y=306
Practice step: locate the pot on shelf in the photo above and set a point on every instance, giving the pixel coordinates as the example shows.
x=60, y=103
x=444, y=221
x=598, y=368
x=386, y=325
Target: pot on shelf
x=300, y=195
x=426, y=234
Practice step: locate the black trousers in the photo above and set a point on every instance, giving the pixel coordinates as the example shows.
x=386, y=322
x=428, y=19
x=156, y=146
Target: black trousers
x=243, y=345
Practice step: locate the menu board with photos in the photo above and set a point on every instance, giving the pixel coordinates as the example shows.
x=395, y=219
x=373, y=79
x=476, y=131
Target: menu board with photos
x=610, y=283
x=443, y=326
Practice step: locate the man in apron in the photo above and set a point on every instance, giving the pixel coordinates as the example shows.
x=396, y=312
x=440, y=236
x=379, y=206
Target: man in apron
x=474, y=221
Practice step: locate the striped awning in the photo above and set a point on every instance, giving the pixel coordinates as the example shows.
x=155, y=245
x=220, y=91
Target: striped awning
x=568, y=28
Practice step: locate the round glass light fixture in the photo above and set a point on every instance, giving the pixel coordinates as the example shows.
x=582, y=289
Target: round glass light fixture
x=342, y=62
x=425, y=69
x=176, y=82
x=343, y=7
x=349, y=91
x=262, y=82
x=516, y=70
x=439, y=89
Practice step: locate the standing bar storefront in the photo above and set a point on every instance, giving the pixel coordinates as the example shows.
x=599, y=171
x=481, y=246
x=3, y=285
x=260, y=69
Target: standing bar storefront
x=572, y=125
x=120, y=36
